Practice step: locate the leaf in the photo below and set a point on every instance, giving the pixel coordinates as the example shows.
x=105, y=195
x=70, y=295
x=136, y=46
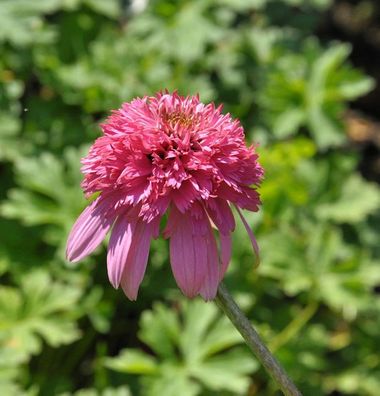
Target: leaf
x=27, y=16
x=356, y=87
x=110, y=9
x=306, y=87
x=202, y=354
x=40, y=309
x=227, y=371
x=48, y=194
x=133, y=361
x=324, y=66
x=160, y=330
x=170, y=383
x=243, y=5
x=358, y=199
x=326, y=129
x=198, y=319
x=10, y=147
x=326, y=132
x=288, y=122
x=120, y=391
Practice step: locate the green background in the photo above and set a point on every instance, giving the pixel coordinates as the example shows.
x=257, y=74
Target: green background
x=63, y=329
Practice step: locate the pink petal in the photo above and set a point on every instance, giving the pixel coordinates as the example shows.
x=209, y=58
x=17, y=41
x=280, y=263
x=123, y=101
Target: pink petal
x=251, y=236
x=155, y=227
x=172, y=223
x=220, y=213
x=211, y=280
x=225, y=253
x=118, y=248
x=188, y=253
x=90, y=228
x=184, y=196
x=137, y=259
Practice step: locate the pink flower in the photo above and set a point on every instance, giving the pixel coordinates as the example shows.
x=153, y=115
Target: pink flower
x=160, y=154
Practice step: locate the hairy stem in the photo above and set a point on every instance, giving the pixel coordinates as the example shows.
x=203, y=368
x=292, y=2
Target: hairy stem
x=225, y=301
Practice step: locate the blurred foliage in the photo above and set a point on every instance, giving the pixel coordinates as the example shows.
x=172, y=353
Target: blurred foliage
x=63, y=330
x=192, y=350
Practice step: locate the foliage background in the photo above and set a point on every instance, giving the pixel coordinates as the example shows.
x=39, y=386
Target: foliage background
x=63, y=329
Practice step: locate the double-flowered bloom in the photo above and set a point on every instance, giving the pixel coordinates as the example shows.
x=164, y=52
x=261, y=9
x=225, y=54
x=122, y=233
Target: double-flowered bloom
x=173, y=155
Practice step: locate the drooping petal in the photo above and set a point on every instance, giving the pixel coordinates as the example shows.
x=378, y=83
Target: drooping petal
x=118, y=248
x=220, y=213
x=251, y=236
x=225, y=253
x=188, y=253
x=212, y=278
x=137, y=258
x=160, y=152
x=90, y=228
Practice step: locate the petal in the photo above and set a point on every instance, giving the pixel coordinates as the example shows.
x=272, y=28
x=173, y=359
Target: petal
x=225, y=253
x=242, y=196
x=251, y=236
x=211, y=280
x=118, y=248
x=172, y=223
x=188, y=253
x=184, y=196
x=90, y=228
x=251, y=200
x=137, y=259
x=220, y=213
x=155, y=227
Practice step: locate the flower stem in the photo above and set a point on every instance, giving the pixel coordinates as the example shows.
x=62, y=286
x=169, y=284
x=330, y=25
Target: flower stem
x=225, y=301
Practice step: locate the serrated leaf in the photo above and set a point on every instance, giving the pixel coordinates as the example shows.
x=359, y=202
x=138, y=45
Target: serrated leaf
x=38, y=311
x=228, y=371
x=48, y=194
x=188, y=344
x=171, y=383
x=160, y=330
x=357, y=200
x=198, y=319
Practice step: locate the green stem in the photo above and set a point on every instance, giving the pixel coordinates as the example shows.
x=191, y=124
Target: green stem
x=225, y=301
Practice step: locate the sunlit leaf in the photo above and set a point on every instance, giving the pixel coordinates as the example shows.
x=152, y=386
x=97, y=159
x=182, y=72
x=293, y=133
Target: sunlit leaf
x=197, y=349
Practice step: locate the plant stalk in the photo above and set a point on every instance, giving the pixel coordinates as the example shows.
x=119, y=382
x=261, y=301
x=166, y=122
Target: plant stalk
x=225, y=301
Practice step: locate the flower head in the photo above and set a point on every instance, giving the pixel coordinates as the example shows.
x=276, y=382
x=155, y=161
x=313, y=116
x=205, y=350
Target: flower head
x=167, y=154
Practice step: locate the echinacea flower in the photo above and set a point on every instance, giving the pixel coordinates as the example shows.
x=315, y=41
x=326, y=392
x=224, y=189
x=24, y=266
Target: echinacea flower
x=167, y=154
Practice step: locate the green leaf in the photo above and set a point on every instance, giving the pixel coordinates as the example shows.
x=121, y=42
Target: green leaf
x=227, y=371
x=10, y=148
x=160, y=330
x=111, y=8
x=193, y=347
x=171, y=383
x=121, y=391
x=133, y=361
x=356, y=87
x=48, y=194
x=27, y=16
x=289, y=122
x=358, y=199
x=326, y=131
x=40, y=309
